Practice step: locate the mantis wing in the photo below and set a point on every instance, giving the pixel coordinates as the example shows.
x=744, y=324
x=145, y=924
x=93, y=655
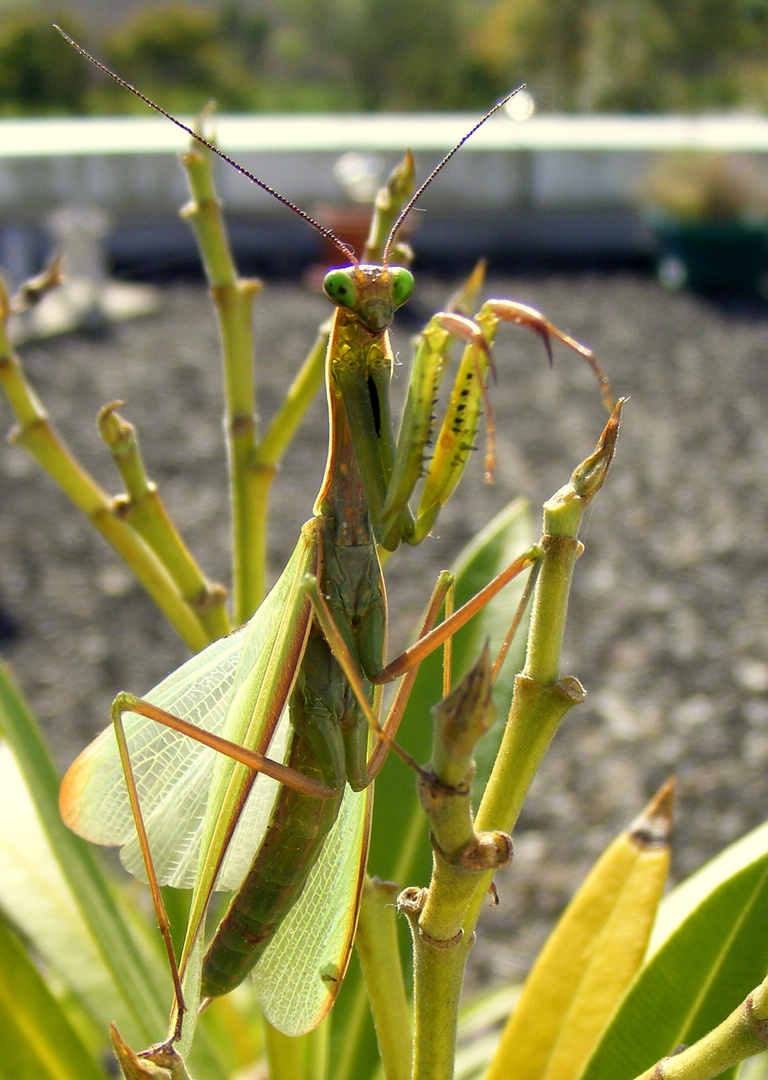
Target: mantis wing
x=301, y=971
x=173, y=772
x=300, y=974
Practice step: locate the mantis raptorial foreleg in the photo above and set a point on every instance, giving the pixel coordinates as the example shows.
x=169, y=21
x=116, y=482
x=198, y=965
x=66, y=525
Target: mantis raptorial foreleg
x=455, y=439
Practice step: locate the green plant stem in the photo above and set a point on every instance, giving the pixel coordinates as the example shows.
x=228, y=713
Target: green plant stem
x=270, y=449
x=301, y=393
x=550, y=605
x=541, y=697
x=742, y=1034
x=390, y=200
x=438, y=976
x=377, y=948
x=233, y=298
x=439, y=958
x=249, y=485
x=35, y=433
x=253, y=462
x=460, y=856
x=534, y=718
x=305, y=1057
x=145, y=511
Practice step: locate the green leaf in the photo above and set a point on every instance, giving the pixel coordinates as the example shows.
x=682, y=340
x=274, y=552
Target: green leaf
x=118, y=949
x=36, y=899
x=480, y=1022
x=36, y=1037
x=53, y=888
x=755, y=1068
x=708, y=951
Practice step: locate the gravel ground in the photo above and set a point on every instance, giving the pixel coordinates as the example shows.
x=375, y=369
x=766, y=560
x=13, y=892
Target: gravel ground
x=669, y=618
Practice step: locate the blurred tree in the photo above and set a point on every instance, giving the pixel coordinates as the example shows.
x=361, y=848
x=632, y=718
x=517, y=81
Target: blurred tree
x=544, y=40
x=380, y=54
x=342, y=55
x=37, y=74
x=637, y=56
x=405, y=55
x=185, y=56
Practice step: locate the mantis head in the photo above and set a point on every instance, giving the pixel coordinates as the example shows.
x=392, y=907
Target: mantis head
x=372, y=293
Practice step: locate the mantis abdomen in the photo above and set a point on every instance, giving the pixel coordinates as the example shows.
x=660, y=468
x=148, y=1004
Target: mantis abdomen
x=329, y=744
x=294, y=839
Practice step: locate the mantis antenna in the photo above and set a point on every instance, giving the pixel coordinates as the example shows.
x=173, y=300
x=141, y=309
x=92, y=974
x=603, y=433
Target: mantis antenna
x=328, y=233
x=441, y=165
x=215, y=150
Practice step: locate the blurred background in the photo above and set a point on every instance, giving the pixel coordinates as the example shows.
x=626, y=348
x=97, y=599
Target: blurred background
x=625, y=196
x=616, y=94
x=636, y=56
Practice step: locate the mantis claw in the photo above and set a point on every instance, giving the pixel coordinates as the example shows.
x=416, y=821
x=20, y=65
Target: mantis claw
x=523, y=315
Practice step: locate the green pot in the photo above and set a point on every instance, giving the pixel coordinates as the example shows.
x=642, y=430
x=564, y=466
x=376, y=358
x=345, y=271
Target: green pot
x=712, y=256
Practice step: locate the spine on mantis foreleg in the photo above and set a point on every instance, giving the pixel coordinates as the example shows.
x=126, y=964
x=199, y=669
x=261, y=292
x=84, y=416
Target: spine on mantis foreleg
x=456, y=438
x=417, y=423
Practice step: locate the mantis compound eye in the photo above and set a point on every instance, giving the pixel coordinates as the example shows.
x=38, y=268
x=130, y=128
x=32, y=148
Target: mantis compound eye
x=339, y=287
x=402, y=285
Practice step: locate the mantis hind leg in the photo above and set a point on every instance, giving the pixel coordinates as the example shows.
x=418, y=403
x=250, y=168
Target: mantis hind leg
x=298, y=781
x=124, y=703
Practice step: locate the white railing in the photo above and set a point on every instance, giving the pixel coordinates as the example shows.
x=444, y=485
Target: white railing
x=545, y=160
x=546, y=185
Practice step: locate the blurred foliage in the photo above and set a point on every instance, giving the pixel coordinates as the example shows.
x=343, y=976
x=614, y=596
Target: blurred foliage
x=36, y=75
x=636, y=56
x=345, y=55
x=195, y=53
x=709, y=187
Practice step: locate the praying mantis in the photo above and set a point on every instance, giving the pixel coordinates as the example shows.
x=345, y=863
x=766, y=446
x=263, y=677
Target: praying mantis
x=250, y=768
